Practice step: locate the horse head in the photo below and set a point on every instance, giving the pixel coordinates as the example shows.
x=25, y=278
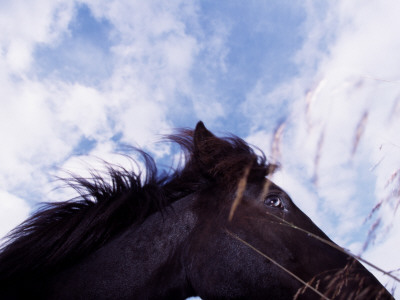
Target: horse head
x=253, y=242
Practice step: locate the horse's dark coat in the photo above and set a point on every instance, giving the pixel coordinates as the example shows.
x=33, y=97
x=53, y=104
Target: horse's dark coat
x=168, y=236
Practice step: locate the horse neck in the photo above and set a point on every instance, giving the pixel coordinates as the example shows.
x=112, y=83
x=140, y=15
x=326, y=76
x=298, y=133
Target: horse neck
x=143, y=262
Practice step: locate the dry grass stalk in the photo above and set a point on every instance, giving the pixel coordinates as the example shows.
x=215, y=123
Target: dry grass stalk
x=276, y=145
x=317, y=157
x=310, y=98
x=392, y=178
x=374, y=210
x=276, y=153
x=392, y=199
x=371, y=234
x=278, y=265
x=302, y=290
x=359, y=132
x=395, y=109
x=336, y=281
x=357, y=257
x=381, y=79
x=239, y=192
x=377, y=164
x=265, y=189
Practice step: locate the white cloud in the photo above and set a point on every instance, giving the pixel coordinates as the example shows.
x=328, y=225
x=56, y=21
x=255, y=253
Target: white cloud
x=13, y=211
x=28, y=133
x=152, y=39
x=83, y=109
x=24, y=24
x=27, y=129
x=43, y=119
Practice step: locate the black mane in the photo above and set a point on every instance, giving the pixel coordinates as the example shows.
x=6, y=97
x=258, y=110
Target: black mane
x=61, y=233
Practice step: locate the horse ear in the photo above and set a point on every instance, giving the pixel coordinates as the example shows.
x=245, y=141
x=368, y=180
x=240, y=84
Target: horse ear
x=217, y=157
x=201, y=134
x=206, y=147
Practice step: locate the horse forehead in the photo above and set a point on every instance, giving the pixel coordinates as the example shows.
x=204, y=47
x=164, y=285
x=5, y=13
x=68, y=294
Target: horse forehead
x=272, y=186
x=267, y=186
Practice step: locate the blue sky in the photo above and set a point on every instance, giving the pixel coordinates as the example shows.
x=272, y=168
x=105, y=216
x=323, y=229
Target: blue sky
x=80, y=78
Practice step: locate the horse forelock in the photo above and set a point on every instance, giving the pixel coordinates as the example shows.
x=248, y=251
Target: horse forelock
x=61, y=233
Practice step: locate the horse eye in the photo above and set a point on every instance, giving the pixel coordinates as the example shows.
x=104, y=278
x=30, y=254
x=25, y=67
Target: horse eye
x=274, y=201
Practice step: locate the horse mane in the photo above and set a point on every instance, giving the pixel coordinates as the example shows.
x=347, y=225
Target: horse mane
x=59, y=234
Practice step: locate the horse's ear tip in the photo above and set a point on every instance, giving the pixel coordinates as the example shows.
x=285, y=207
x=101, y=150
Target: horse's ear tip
x=200, y=125
x=201, y=129
x=201, y=132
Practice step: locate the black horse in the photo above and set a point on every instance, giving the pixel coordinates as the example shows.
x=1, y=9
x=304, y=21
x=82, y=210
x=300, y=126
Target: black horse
x=215, y=227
